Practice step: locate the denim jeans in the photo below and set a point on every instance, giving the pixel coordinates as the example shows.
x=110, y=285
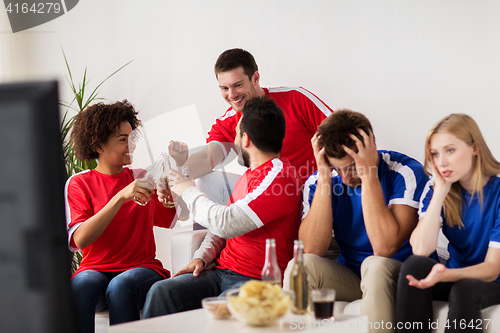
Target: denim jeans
x=185, y=292
x=123, y=293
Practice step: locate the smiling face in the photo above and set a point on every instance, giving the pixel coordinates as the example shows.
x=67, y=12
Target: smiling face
x=236, y=88
x=115, y=152
x=346, y=168
x=453, y=158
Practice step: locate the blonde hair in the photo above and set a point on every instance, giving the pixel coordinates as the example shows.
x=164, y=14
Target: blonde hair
x=464, y=128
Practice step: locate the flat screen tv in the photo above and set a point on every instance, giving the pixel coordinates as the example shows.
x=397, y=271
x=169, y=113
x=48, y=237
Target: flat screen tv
x=34, y=258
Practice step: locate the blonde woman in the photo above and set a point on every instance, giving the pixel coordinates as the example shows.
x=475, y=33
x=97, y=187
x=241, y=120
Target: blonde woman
x=464, y=200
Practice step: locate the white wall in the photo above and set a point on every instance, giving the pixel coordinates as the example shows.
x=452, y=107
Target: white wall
x=405, y=64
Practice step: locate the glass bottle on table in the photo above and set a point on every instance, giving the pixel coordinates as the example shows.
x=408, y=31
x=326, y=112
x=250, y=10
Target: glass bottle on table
x=298, y=280
x=271, y=272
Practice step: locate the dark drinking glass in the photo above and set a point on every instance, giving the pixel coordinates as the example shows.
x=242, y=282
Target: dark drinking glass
x=323, y=300
x=323, y=309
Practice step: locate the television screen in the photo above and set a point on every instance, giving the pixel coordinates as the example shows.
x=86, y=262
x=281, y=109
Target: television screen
x=34, y=258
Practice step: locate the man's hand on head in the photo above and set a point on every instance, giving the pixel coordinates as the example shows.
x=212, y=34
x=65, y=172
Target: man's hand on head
x=366, y=159
x=319, y=155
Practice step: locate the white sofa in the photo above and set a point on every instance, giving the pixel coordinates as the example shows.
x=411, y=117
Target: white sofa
x=184, y=244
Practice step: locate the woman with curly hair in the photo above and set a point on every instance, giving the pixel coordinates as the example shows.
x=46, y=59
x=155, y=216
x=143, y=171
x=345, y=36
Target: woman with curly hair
x=114, y=233
x=464, y=201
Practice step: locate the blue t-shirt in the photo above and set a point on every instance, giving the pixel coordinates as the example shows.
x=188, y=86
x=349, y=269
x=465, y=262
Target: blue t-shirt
x=402, y=179
x=468, y=245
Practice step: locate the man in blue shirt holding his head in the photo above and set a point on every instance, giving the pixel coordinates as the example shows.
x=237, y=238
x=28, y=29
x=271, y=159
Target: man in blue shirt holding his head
x=369, y=199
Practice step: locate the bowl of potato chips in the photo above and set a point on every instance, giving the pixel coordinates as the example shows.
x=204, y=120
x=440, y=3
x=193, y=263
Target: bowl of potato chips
x=258, y=303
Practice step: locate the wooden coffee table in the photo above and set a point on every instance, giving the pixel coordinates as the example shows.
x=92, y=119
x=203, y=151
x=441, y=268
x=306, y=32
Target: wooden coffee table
x=198, y=321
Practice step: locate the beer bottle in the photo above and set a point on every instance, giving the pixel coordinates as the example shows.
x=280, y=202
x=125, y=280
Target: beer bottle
x=153, y=175
x=271, y=272
x=298, y=280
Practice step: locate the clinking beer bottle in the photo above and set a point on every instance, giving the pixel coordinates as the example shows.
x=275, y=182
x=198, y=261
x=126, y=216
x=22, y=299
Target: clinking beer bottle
x=271, y=272
x=153, y=174
x=168, y=201
x=298, y=280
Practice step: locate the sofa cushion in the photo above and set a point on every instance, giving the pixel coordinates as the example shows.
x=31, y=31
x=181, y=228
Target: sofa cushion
x=102, y=321
x=339, y=307
x=183, y=246
x=353, y=308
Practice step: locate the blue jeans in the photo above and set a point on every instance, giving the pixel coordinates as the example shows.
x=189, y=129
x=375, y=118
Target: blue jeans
x=123, y=293
x=185, y=292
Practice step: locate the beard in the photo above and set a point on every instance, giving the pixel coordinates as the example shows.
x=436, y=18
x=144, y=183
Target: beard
x=243, y=156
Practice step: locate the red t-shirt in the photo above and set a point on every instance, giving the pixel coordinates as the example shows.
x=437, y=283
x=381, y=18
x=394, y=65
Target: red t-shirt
x=128, y=241
x=271, y=196
x=303, y=113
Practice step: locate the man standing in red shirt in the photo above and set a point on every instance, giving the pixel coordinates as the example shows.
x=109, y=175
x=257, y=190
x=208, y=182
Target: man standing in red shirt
x=238, y=77
x=267, y=204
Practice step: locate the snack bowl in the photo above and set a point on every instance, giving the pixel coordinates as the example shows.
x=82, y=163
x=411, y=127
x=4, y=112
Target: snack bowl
x=216, y=307
x=259, y=309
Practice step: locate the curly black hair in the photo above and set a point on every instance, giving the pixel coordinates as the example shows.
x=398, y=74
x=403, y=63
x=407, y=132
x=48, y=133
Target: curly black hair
x=93, y=126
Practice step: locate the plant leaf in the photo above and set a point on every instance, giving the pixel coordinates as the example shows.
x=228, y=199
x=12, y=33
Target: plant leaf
x=95, y=93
